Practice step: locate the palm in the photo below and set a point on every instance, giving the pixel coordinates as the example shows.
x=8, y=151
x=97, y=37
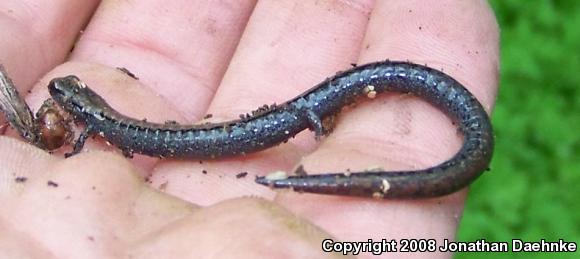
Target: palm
x=212, y=62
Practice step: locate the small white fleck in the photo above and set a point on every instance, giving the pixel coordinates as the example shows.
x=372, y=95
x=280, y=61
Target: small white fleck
x=278, y=175
x=369, y=90
x=286, y=132
x=99, y=116
x=385, y=186
x=375, y=168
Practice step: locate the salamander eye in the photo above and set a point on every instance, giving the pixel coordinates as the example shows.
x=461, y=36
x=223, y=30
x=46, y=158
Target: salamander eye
x=55, y=89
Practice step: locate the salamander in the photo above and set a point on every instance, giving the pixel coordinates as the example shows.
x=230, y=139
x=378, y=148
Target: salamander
x=272, y=125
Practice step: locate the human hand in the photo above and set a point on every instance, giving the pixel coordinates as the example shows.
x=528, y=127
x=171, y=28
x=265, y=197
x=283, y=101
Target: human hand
x=198, y=58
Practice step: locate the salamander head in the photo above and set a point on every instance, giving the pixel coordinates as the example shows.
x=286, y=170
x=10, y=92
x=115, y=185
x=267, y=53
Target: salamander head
x=70, y=93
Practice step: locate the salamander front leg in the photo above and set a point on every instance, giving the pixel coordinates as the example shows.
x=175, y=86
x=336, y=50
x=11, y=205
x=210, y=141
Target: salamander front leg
x=80, y=143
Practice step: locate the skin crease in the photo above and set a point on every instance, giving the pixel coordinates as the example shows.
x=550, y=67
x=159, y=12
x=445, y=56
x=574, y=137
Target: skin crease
x=227, y=59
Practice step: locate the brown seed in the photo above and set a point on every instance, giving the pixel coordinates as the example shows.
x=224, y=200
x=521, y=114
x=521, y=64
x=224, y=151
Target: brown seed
x=53, y=130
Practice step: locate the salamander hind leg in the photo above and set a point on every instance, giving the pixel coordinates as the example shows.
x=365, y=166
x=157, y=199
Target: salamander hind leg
x=320, y=126
x=328, y=124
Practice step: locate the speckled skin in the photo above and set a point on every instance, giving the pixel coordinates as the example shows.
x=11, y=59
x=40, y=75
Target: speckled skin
x=271, y=126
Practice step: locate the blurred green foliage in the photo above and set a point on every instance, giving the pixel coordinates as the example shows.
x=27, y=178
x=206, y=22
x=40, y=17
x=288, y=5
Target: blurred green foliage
x=533, y=189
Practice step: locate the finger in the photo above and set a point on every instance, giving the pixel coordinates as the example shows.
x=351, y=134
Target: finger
x=178, y=48
x=100, y=211
x=37, y=35
x=218, y=232
x=288, y=46
x=402, y=132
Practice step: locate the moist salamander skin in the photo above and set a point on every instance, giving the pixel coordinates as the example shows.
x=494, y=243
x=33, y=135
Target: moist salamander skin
x=270, y=126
